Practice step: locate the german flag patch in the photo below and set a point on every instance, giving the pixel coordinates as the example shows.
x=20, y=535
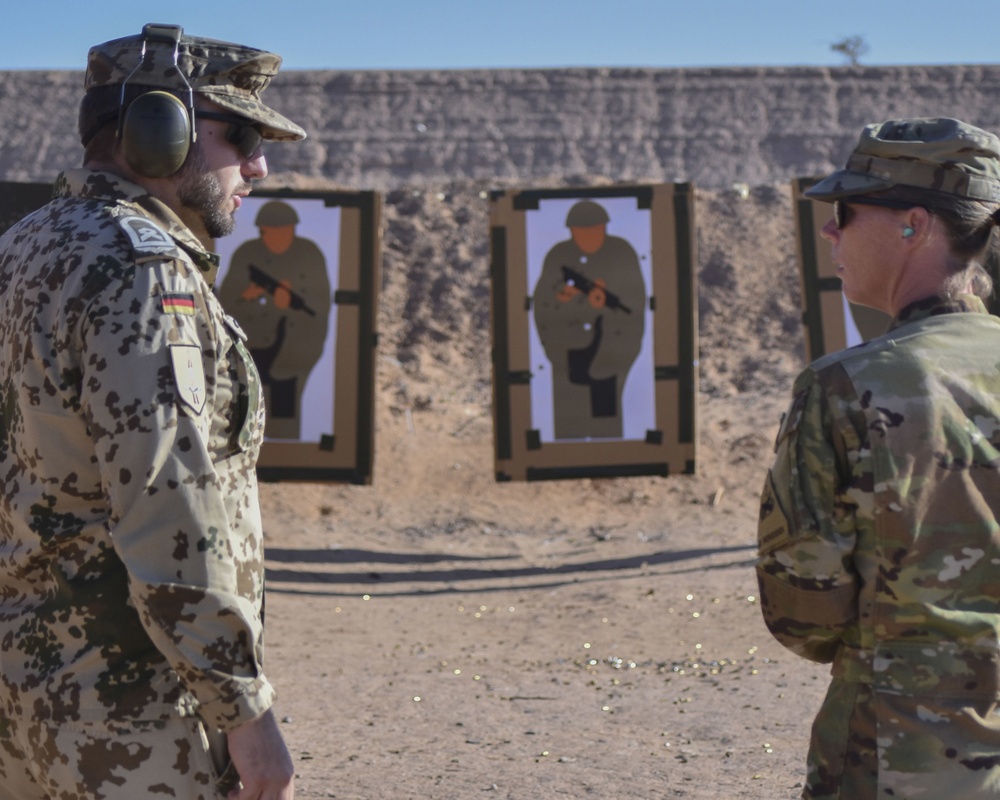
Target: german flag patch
x=177, y=304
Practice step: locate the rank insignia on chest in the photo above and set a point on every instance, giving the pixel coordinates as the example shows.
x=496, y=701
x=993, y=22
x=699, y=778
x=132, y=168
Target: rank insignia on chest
x=189, y=375
x=172, y=303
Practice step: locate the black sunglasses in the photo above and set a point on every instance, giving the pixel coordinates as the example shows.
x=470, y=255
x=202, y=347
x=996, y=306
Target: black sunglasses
x=842, y=210
x=243, y=133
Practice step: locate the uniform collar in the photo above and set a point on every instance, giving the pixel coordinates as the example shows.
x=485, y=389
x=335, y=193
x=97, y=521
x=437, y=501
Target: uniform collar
x=934, y=306
x=96, y=185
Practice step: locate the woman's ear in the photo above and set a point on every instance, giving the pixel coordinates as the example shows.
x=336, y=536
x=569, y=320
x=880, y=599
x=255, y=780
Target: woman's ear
x=916, y=221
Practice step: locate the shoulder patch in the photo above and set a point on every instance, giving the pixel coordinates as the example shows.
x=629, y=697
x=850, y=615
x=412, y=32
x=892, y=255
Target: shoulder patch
x=147, y=238
x=177, y=303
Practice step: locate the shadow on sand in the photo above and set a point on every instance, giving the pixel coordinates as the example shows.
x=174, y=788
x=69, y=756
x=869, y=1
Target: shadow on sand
x=469, y=573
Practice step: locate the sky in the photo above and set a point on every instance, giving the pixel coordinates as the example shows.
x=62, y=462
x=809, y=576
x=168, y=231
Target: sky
x=466, y=34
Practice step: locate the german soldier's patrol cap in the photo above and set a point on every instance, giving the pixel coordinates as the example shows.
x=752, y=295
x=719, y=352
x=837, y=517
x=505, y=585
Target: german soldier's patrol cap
x=163, y=57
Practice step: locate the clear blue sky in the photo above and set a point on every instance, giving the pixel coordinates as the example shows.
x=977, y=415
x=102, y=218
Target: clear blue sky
x=461, y=34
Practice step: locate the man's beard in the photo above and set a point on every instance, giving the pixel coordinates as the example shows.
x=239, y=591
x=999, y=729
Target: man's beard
x=200, y=191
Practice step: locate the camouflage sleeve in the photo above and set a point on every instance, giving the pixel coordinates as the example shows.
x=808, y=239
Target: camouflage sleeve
x=806, y=534
x=193, y=558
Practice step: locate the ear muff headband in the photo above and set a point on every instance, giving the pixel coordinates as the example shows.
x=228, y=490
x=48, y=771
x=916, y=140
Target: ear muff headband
x=156, y=130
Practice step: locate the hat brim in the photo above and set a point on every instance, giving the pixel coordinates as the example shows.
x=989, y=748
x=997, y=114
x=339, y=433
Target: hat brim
x=273, y=126
x=845, y=183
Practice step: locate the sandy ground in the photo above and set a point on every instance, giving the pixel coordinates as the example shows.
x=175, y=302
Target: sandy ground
x=440, y=635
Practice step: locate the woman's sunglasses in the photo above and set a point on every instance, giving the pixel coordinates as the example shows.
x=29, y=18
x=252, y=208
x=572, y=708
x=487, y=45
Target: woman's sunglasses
x=243, y=133
x=842, y=208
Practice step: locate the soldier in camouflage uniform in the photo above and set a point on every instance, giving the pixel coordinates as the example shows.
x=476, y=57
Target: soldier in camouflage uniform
x=879, y=534
x=131, y=549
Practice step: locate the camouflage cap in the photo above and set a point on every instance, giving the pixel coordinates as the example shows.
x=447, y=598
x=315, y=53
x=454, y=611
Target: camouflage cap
x=230, y=75
x=942, y=154
x=586, y=213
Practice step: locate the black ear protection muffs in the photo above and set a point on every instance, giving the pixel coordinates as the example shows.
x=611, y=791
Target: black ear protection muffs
x=156, y=130
x=156, y=134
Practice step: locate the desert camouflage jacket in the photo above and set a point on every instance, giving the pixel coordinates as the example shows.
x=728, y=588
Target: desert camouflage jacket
x=131, y=562
x=879, y=542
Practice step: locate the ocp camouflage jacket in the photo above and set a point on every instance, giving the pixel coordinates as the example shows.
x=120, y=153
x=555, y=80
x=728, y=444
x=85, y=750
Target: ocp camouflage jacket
x=879, y=550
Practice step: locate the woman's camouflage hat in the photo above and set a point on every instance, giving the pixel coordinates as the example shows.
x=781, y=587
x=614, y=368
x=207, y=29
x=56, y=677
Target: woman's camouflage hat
x=942, y=154
x=231, y=75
